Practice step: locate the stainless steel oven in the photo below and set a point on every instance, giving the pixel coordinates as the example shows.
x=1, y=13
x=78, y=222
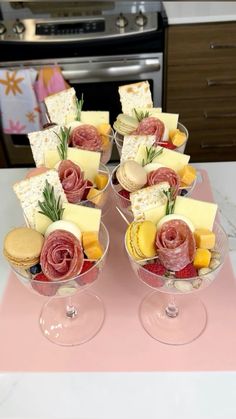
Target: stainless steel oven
x=96, y=55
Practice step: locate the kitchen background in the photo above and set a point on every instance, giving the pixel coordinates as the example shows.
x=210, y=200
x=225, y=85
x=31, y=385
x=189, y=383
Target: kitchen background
x=186, y=50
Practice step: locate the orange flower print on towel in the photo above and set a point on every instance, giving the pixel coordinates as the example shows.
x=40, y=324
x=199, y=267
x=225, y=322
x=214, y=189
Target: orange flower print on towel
x=12, y=83
x=30, y=116
x=14, y=127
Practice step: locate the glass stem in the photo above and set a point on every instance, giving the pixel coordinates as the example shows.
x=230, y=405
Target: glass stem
x=71, y=310
x=172, y=309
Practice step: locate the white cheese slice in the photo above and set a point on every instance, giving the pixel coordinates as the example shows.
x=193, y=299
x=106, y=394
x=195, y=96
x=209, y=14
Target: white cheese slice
x=86, y=218
x=201, y=213
x=168, y=158
x=95, y=117
x=155, y=214
x=87, y=160
x=170, y=120
x=41, y=222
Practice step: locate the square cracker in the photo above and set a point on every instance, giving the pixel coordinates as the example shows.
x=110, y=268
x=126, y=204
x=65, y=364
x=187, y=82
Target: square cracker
x=62, y=106
x=30, y=191
x=135, y=95
x=131, y=145
x=147, y=198
x=40, y=141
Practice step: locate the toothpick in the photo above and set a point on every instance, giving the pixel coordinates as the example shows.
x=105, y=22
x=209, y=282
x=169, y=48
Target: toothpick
x=123, y=216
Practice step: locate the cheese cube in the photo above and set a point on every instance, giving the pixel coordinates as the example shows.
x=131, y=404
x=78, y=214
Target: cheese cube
x=201, y=213
x=87, y=219
x=87, y=160
x=101, y=180
x=188, y=174
x=202, y=258
x=91, y=245
x=168, y=158
x=178, y=138
x=204, y=238
x=94, y=117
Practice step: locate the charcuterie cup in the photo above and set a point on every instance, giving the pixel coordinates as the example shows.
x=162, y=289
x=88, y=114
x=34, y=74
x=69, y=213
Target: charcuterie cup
x=170, y=313
x=123, y=202
x=119, y=138
x=72, y=315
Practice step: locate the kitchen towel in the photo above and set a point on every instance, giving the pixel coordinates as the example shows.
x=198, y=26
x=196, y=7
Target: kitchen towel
x=19, y=107
x=50, y=81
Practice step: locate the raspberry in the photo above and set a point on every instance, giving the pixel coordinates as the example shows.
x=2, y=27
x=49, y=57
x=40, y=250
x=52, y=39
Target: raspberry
x=167, y=144
x=188, y=271
x=124, y=193
x=156, y=269
x=90, y=275
x=48, y=288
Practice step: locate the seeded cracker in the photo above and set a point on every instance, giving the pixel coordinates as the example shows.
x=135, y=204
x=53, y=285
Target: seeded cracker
x=147, y=198
x=40, y=141
x=136, y=95
x=62, y=106
x=30, y=191
x=131, y=145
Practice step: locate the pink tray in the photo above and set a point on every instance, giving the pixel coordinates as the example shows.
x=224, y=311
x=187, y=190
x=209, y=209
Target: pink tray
x=122, y=344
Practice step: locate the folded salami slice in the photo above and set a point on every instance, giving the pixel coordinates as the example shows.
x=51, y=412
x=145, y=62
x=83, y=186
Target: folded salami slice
x=176, y=245
x=72, y=180
x=164, y=174
x=86, y=137
x=151, y=126
x=62, y=256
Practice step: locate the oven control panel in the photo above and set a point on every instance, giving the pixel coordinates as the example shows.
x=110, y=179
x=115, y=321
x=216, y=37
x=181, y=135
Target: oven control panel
x=78, y=29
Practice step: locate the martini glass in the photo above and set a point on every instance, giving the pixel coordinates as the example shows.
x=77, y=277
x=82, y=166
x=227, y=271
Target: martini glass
x=171, y=313
x=119, y=138
x=72, y=315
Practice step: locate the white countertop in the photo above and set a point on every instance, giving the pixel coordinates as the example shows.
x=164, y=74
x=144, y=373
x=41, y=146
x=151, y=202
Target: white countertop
x=205, y=395
x=180, y=12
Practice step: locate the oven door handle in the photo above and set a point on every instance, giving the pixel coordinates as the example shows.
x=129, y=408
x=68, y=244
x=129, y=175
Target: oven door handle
x=113, y=70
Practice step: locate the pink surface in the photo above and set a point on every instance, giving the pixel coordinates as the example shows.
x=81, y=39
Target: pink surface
x=122, y=344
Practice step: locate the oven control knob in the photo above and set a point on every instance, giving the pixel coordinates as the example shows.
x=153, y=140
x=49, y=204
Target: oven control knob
x=121, y=21
x=141, y=20
x=18, y=27
x=2, y=28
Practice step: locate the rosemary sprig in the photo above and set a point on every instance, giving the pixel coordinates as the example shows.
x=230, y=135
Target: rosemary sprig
x=151, y=153
x=64, y=140
x=79, y=104
x=141, y=115
x=51, y=207
x=170, y=200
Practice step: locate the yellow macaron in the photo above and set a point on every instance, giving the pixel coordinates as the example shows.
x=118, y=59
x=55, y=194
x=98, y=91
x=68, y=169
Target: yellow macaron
x=22, y=247
x=140, y=239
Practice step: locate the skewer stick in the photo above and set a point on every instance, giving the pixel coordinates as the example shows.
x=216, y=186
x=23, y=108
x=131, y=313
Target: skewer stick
x=123, y=216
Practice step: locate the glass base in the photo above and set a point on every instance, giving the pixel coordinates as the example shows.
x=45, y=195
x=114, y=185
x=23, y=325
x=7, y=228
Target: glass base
x=73, y=327
x=188, y=324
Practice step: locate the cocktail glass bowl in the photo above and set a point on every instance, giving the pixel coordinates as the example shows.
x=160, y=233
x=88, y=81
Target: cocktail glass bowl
x=124, y=203
x=72, y=315
x=106, y=153
x=119, y=138
x=172, y=314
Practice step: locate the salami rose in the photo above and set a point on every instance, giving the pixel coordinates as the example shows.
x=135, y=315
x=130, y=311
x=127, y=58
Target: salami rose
x=176, y=245
x=86, y=137
x=61, y=256
x=151, y=126
x=164, y=174
x=72, y=180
